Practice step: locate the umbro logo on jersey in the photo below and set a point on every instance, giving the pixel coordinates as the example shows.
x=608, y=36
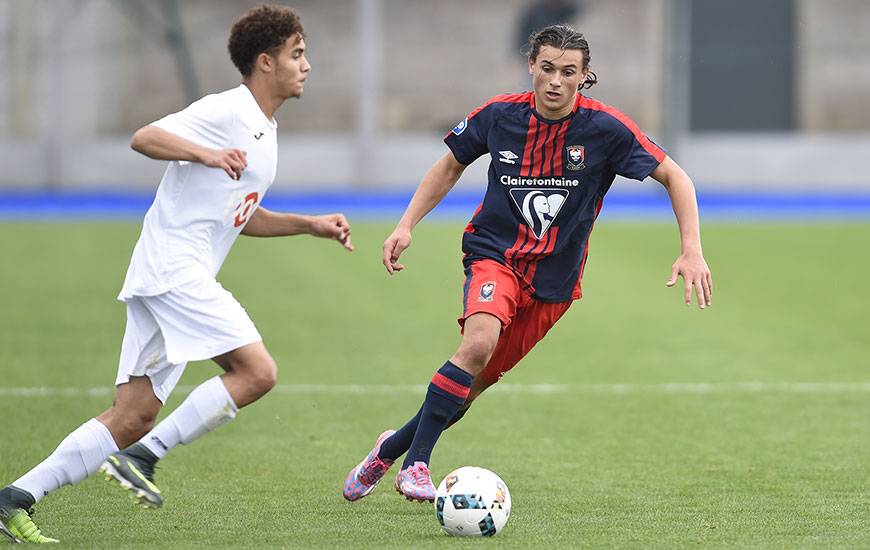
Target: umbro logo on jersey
x=258, y=136
x=508, y=157
x=539, y=207
x=576, y=157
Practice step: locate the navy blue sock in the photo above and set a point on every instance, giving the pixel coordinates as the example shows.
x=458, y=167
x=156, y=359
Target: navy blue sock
x=395, y=446
x=458, y=416
x=447, y=393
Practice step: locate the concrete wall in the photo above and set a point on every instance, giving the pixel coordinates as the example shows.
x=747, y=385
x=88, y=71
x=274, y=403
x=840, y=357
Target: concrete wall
x=77, y=77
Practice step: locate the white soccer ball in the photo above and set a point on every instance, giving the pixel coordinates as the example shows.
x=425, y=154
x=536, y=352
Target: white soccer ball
x=472, y=502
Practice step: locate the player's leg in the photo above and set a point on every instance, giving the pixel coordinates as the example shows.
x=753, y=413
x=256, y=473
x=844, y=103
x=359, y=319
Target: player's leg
x=491, y=294
x=447, y=392
x=144, y=374
x=533, y=320
x=479, y=296
x=250, y=374
x=198, y=320
x=78, y=456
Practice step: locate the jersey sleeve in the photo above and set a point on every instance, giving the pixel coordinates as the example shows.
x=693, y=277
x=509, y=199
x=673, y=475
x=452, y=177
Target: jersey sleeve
x=632, y=154
x=468, y=140
x=205, y=122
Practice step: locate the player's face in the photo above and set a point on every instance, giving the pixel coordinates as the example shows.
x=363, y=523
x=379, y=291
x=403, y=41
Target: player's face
x=292, y=68
x=556, y=75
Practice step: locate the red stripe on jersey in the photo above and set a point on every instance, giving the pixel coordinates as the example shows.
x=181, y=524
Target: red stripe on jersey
x=644, y=141
x=530, y=259
x=543, y=151
x=532, y=267
x=510, y=254
x=450, y=386
x=470, y=228
x=558, y=147
x=531, y=138
x=524, y=97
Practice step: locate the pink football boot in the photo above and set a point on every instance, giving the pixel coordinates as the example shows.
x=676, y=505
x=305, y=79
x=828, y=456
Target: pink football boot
x=363, y=479
x=414, y=482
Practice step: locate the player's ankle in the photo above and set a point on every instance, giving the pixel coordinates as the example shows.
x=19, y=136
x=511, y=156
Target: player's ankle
x=13, y=497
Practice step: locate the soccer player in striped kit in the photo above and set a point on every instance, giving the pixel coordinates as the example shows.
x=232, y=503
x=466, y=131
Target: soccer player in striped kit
x=555, y=153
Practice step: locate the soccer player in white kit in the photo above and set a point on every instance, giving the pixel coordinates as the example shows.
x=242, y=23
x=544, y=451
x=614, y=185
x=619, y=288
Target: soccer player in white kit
x=223, y=156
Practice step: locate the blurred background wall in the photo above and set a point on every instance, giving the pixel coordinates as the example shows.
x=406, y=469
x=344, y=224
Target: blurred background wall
x=748, y=96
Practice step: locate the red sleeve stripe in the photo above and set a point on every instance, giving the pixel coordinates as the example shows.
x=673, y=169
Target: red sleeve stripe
x=450, y=386
x=504, y=98
x=644, y=141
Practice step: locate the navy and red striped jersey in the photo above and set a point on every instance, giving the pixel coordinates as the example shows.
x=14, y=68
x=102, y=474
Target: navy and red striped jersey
x=547, y=180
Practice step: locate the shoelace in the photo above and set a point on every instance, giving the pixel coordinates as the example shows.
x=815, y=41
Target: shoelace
x=421, y=476
x=374, y=472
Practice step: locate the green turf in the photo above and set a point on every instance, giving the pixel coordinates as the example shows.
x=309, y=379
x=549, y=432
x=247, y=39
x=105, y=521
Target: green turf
x=774, y=468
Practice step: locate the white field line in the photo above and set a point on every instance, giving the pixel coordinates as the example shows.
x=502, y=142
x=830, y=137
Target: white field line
x=672, y=388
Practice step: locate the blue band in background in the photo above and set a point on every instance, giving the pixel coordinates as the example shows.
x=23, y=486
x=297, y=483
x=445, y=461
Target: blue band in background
x=388, y=206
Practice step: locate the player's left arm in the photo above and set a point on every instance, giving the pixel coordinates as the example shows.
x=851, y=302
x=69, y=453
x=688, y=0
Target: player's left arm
x=265, y=223
x=690, y=264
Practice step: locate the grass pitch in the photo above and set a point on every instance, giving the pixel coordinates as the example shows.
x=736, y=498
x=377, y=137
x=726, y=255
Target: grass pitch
x=745, y=425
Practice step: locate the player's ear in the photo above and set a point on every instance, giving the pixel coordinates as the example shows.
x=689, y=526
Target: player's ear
x=265, y=62
x=531, y=64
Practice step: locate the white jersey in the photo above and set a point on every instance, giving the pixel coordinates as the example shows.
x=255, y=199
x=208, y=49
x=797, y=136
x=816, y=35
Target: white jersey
x=199, y=211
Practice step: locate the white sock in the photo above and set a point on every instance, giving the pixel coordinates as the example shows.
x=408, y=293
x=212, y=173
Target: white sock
x=77, y=457
x=207, y=407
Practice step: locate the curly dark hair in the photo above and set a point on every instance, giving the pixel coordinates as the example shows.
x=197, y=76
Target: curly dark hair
x=561, y=37
x=264, y=29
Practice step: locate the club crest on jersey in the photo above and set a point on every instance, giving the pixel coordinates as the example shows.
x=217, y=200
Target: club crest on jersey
x=487, y=290
x=461, y=127
x=539, y=207
x=576, y=157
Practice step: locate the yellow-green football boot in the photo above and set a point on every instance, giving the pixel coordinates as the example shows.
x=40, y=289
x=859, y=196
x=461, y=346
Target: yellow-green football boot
x=133, y=470
x=16, y=523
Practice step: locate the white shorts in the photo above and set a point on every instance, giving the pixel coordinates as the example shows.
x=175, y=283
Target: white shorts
x=194, y=321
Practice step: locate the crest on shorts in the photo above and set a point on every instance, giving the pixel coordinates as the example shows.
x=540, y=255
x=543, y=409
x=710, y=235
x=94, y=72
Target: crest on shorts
x=539, y=207
x=487, y=289
x=576, y=157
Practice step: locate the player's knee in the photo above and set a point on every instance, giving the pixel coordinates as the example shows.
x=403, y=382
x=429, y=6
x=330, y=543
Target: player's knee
x=476, y=351
x=264, y=376
x=136, y=423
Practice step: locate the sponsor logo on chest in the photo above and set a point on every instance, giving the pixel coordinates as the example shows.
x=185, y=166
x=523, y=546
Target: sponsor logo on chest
x=539, y=207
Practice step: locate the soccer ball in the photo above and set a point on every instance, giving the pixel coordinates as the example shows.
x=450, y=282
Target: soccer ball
x=472, y=502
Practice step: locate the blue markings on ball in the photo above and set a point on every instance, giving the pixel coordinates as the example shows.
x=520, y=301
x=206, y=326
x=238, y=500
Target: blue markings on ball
x=468, y=502
x=487, y=526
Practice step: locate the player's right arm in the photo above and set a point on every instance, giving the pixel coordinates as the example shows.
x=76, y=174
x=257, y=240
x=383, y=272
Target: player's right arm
x=437, y=182
x=160, y=144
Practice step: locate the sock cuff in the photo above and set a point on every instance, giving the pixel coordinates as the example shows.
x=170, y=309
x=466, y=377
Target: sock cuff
x=213, y=403
x=452, y=382
x=216, y=389
x=103, y=435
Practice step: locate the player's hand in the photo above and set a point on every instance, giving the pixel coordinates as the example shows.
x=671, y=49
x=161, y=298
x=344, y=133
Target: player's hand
x=231, y=161
x=396, y=243
x=696, y=275
x=332, y=226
